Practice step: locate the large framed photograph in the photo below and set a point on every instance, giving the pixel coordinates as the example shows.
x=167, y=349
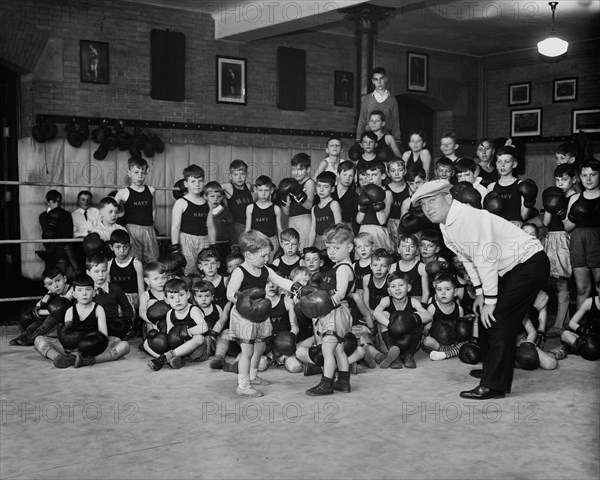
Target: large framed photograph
x=526, y=123
x=417, y=72
x=231, y=80
x=587, y=120
x=565, y=90
x=94, y=65
x=343, y=89
x=519, y=94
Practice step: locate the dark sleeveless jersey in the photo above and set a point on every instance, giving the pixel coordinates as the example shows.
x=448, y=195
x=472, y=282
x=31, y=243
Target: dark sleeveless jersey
x=220, y=295
x=439, y=316
x=348, y=203
x=280, y=317
x=323, y=218
x=193, y=220
x=370, y=218
x=212, y=317
x=397, y=200
x=376, y=293
x=360, y=273
x=285, y=270
x=593, y=205
x=511, y=201
x=238, y=202
x=88, y=324
x=187, y=321
x=125, y=277
x=391, y=308
x=488, y=177
x=138, y=207
x=330, y=279
x=250, y=281
x=415, y=279
x=263, y=220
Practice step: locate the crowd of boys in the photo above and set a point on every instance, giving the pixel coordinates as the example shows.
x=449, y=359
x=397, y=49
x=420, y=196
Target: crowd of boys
x=359, y=276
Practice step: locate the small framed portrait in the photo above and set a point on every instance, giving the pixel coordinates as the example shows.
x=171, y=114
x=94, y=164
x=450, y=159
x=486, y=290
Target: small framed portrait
x=231, y=80
x=526, y=123
x=565, y=89
x=417, y=72
x=587, y=120
x=94, y=65
x=343, y=89
x=519, y=94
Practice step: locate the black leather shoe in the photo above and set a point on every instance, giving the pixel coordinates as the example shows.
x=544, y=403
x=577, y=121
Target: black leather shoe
x=478, y=373
x=481, y=393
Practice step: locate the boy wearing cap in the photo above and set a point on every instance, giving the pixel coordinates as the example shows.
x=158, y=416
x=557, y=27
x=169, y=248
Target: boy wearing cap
x=507, y=268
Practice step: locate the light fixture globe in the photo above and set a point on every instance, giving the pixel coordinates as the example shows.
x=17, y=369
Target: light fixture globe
x=553, y=47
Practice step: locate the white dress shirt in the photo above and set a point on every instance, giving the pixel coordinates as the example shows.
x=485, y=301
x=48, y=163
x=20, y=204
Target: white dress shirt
x=81, y=225
x=488, y=246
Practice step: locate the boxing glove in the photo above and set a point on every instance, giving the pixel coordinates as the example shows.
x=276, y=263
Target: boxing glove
x=588, y=347
x=180, y=189
x=92, y=244
x=92, y=344
x=315, y=353
x=470, y=353
x=355, y=152
x=465, y=192
x=555, y=202
x=411, y=223
x=252, y=304
x=383, y=153
x=443, y=331
x=157, y=311
x=463, y=329
x=57, y=307
x=158, y=342
x=378, y=207
x=212, y=335
x=374, y=193
x=580, y=211
x=402, y=323
x=177, y=336
x=364, y=203
x=285, y=188
x=540, y=340
x=299, y=194
x=317, y=304
x=69, y=337
x=434, y=267
x=350, y=343
x=493, y=203
x=528, y=190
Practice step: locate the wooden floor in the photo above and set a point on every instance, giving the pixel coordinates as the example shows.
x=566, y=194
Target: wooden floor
x=120, y=420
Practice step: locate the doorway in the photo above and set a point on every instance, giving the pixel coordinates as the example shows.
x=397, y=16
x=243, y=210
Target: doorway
x=415, y=115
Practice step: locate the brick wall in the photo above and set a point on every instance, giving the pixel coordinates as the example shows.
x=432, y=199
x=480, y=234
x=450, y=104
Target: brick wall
x=54, y=87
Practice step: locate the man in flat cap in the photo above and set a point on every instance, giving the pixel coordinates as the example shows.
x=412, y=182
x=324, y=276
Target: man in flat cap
x=507, y=267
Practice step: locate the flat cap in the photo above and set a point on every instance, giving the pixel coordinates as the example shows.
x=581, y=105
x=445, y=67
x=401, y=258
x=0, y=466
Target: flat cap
x=431, y=188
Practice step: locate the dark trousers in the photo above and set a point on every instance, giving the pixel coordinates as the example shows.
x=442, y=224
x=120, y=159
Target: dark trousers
x=517, y=291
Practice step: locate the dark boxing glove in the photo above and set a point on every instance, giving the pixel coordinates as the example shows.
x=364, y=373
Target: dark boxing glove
x=58, y=307
x=465, y=192
x=177, y=336
x=92, y=244
x=443, y=331
x=285, y=343
x=317, y=304
x=355, y=152
x=158, y=342
x=157, y=311
x=493, y=203
x=402, y=323
x=588, y=347
x=528, y=190
x=470, y=353
x=580, y=211
x=527, y=357
x=252, y=305
x=180, y=189
x=555, y=202
x=463, y=329
x=299, y=194
x=92, y=344
x=69, y=337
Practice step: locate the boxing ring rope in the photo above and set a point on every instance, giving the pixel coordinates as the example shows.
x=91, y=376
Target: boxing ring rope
x=78, y=185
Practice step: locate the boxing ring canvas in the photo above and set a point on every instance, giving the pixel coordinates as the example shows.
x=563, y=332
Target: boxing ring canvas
x=57, y=162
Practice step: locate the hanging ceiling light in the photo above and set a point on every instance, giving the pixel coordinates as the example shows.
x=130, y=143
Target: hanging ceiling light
x=553, y=46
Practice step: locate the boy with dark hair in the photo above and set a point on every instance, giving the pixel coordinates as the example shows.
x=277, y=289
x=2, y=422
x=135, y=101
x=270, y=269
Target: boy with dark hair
x=126, y=270
x=467, y=170
x=108, y=219
x=139, y=211
x=263, y=215
x=86, y=329
x=444, y=169
x=290, y=243
x=238, y=193
x=345, y=193
x=222, y=219
x=326, y=213
x=566, y=152
x=297, y=207
x=449, y=145
x=209, y=266
x=111, y=297
x=85, y=216
x=39, y=320
x=192, y=227
x=312, y=258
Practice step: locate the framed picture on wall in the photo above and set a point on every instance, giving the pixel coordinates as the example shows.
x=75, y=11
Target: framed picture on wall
x=526, y=123
x=417, y=72
x=93, y=58
x=231, y=80
x=519, y=94
x=565, y=89
x=343, y=89
x=587, y=120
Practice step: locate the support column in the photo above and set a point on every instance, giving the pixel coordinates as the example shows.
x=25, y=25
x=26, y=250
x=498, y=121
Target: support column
x=365, y=17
